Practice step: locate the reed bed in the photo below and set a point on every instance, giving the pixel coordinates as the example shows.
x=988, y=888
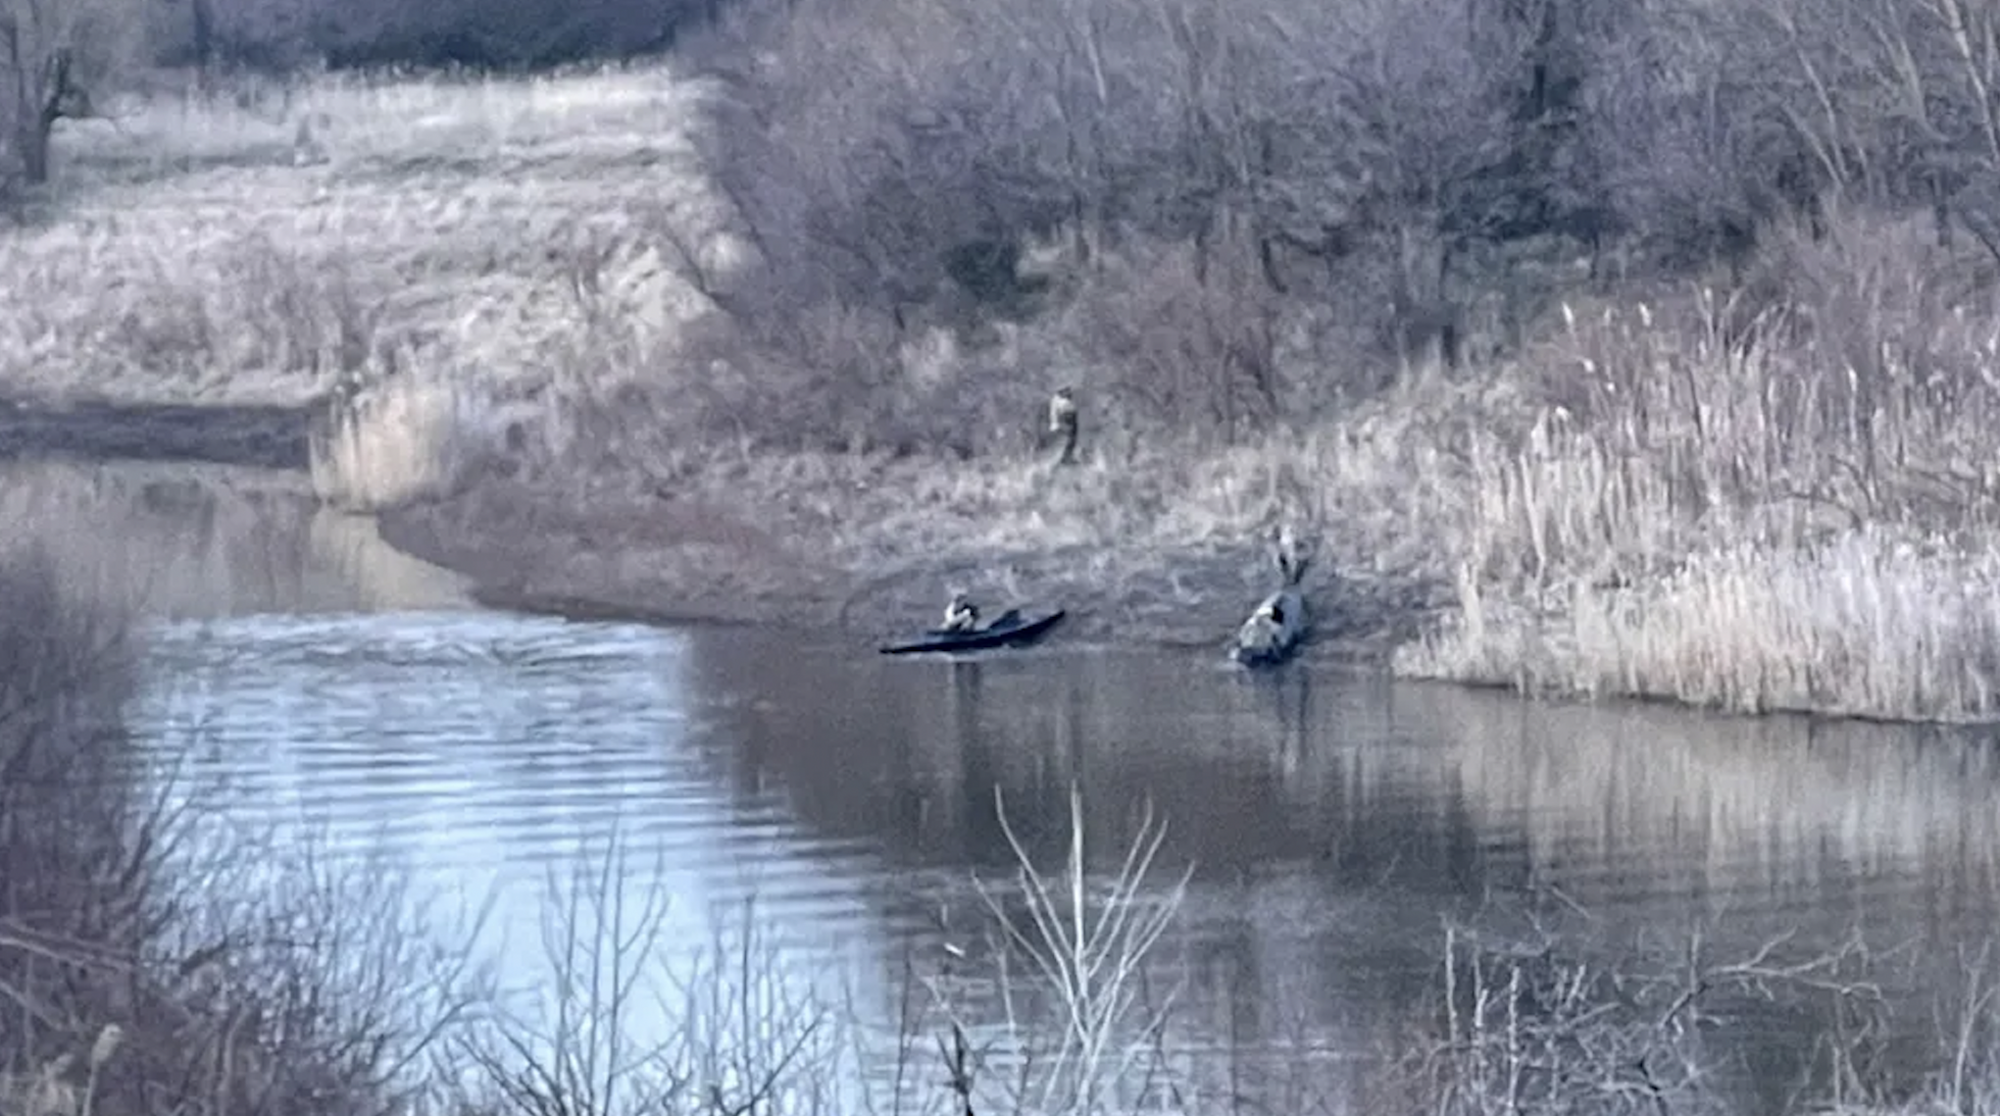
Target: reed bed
x=1868, y=624
x=1787, y=509
x=404, y=441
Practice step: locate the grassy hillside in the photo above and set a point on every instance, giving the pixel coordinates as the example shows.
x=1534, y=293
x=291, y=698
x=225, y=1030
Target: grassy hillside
x=255, y=244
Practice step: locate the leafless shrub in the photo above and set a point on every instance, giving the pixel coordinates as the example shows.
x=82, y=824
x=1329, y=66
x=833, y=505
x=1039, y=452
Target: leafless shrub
x=73, y=890
x=1072, y=953
x=634, y=1020
x=57, y=58
x=1546, y=1022
x=1194, y=349
x=825, y=377
x=1408, y=163
x=634, y=1017
x=1161, y=158
x=135, y=978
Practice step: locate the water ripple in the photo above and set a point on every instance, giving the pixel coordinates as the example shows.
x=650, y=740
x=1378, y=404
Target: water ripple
x=1331, y=831
x=480, y=751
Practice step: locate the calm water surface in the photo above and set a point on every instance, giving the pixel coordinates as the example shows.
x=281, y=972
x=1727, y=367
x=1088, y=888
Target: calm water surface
x=337, y=698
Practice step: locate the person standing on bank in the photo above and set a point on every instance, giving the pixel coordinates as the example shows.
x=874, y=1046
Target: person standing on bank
x=1062, y=423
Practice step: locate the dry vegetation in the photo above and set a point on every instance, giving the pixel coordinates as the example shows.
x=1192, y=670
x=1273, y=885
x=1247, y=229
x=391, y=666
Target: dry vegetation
x=1665, y=400
x=1663, y=333
x=145, y=967
x=468, y=230
x=1651, y=350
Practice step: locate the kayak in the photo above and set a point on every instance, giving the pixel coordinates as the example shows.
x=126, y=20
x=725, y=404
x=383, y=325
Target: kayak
x=1007, y=630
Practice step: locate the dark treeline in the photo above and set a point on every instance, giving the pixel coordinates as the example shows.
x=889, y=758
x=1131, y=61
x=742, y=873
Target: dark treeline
x=279, y=35
x=1423, y=175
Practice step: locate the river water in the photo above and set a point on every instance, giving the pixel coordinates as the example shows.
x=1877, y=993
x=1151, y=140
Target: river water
x=809, y=828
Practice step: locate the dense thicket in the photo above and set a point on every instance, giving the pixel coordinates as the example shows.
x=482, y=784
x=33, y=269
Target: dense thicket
x=1414, y=174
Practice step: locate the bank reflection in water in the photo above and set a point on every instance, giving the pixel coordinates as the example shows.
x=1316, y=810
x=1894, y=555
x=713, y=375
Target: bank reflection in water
x=910, y=753
x=1436, y=789
x=203, y=541
x=1334, y=822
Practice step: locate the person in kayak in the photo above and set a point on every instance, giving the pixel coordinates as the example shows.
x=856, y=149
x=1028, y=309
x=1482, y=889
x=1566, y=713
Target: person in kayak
x=960, y=614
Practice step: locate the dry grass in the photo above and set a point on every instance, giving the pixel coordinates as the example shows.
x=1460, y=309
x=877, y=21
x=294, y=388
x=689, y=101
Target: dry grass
x=1788, y=510
x=1753, y=506
x=1868, y=624
x=142, y=969
x=403, y=441
x=456, y=229
x=462, y=245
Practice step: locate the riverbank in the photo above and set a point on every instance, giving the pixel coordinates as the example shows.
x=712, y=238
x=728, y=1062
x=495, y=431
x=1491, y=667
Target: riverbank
x=1530, y=568
x=484, y=240
x=849, y=545
x=1774, y=496
x=1568, y=523
x=865, y=545
x=265, y=436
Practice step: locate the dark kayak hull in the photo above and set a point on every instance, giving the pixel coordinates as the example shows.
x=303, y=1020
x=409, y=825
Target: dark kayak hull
x=1262, y=657
x=1008, y=631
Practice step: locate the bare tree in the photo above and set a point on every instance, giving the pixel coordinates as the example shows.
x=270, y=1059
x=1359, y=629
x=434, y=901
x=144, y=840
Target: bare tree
x=55, y=56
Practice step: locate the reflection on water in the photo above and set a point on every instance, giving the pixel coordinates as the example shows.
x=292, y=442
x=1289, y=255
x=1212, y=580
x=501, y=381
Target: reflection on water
x=202, y=540
x=1332, y=822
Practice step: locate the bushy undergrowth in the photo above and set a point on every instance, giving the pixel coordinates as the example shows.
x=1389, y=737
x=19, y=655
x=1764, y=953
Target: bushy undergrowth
x=1245, y=233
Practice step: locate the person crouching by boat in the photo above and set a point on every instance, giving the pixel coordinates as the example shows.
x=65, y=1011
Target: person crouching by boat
x=1260, y=637
x=960, y=615
x=1273, y=631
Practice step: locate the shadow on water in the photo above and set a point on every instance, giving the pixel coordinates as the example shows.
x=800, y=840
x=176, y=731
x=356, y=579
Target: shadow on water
x=258, y=436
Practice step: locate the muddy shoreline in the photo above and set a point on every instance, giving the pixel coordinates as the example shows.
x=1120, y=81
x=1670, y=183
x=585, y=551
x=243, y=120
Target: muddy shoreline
x=673, y=562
